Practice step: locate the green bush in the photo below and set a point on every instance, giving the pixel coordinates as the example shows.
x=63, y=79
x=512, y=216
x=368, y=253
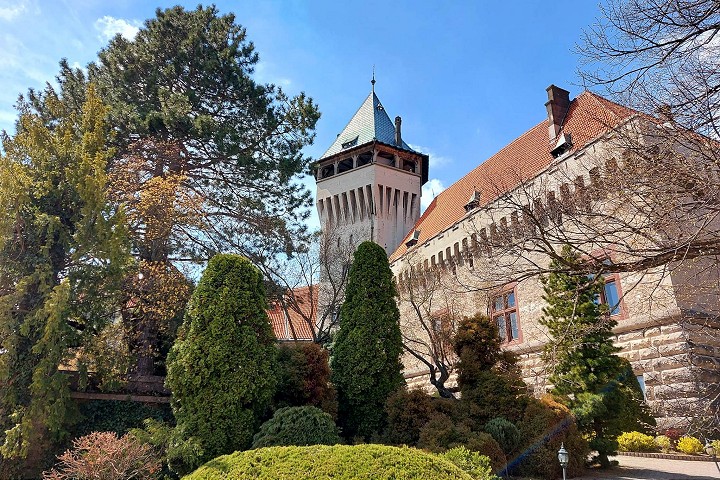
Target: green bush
x=408, y=412
x=476, y=465
x=716, y=445
x=664, y=443
x=690, y=446
x=297, y=426
x=304, y=378
x=441, y=434
x=636, y=442
x=505, y=433
x=339, y=462
x=546, y=425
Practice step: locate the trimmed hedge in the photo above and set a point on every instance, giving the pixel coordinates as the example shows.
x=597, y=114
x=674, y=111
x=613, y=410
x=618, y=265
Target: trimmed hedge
x=297, y=426
x=339, y=462
x=636, y=442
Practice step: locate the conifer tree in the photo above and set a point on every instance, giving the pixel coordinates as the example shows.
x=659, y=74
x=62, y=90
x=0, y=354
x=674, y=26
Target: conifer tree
x=62, y=255
x=222, y=367
x=595, y=383
x=366, y=366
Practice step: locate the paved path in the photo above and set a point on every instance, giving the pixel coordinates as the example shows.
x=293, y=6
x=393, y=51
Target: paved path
x=638, y=468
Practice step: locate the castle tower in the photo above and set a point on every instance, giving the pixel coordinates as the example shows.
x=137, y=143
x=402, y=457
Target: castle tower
x=369, y=181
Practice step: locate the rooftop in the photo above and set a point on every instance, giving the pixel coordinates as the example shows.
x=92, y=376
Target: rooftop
x=295, y=326
x=589, y=116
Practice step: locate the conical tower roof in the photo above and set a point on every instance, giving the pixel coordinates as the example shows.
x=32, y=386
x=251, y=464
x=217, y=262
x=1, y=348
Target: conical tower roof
x=370, y=122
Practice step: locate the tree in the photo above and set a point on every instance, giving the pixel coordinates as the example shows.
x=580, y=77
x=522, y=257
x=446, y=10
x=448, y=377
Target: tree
x=431, y=322
x=222, y=367
x=63, y=256
x=365, y=365
x=586, y=372
x=207, y=159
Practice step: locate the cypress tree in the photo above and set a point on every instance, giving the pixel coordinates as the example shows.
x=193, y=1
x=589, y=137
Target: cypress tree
x=221, y=369
x=587, y=374
x=366, y=366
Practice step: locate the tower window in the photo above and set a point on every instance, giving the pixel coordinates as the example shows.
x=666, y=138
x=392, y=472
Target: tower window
x=350, y=143
x=503, y=309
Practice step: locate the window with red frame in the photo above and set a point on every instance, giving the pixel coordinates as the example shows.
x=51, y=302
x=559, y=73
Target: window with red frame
x=610, y=295
x=503, y=310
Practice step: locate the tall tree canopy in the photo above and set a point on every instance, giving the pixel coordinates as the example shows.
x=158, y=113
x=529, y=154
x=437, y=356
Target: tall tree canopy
x=222, y=368
x=597, y=385
x=62, y=255
x=366, y=366
x=207, y=158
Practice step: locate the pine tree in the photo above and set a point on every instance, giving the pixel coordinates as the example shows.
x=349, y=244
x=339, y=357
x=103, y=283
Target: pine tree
x=366, y=366
x=222, y=367
x=595, y=383
x=62, y=255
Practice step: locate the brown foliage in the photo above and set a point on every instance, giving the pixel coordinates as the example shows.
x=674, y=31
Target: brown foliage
x=408, y=412
x=305, y=377
x=104, y=456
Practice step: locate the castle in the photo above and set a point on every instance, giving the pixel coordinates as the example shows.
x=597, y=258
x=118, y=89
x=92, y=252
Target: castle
x=451, y=260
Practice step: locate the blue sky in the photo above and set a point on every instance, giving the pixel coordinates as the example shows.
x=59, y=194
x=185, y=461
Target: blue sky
x=467, y=77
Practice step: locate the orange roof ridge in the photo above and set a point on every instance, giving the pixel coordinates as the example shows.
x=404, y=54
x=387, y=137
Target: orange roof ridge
x=523, y=158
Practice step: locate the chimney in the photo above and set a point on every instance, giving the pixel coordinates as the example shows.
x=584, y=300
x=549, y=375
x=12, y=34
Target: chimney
x=398, y=135
x=557, y=107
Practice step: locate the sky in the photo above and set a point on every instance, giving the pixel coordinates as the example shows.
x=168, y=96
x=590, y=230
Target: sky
x=467, y=77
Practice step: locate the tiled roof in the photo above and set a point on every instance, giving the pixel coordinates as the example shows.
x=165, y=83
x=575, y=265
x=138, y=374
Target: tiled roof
x=370, y=122
x=295, y=326
x=588, y=117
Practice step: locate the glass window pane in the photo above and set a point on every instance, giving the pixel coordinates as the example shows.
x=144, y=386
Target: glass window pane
x=511, y=299
x=514, y=331
x=498, y=304
x=612, y=298
x=500, y=320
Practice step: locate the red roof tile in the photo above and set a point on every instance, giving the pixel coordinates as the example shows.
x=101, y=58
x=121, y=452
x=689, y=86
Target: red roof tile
x=588, y=117
x=295, y=325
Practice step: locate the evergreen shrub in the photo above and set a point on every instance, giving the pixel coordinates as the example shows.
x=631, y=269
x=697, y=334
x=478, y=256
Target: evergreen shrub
x=476, y=465
x=690, y=446
x=304, y=377
x=297, y=426
x=408, y=412
x=338, y=462
x=505, y=433
x=636, y=442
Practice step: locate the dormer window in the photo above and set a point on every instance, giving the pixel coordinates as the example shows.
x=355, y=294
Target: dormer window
x=474, y=201
x=350, y=143
x=414, y=239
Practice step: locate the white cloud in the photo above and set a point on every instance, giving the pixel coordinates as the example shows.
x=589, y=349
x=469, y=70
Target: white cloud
x=110, y=26
x=436, y=160
x=429, y=191
x=11, y=9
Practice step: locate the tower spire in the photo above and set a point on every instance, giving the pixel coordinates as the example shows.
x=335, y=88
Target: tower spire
x=373, y=80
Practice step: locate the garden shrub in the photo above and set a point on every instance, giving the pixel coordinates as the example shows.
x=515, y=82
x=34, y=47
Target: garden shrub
x=716, y=445
x=505, y=433
x=690, y=446
x=297, y=426
x=546, y=424
x=674, y=434
x=408, y=412
x=222, y=369
x=105, y=455
x=636, y=442
x=476, y=465
x=338, y=462
x=664, y=443
x=118, y=416
x=304, y=378
x=441, y=434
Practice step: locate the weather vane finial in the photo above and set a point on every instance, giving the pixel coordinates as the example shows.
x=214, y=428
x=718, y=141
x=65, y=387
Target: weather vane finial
x=373, y=79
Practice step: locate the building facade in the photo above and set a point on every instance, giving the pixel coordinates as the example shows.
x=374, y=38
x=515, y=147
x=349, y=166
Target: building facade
x=465, y=254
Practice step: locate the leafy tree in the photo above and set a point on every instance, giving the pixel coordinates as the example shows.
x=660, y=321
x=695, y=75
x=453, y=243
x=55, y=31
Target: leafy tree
x=221, y=369
x=62, y=254
x=206, y=159
x=365, y=365
x=594, y=382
